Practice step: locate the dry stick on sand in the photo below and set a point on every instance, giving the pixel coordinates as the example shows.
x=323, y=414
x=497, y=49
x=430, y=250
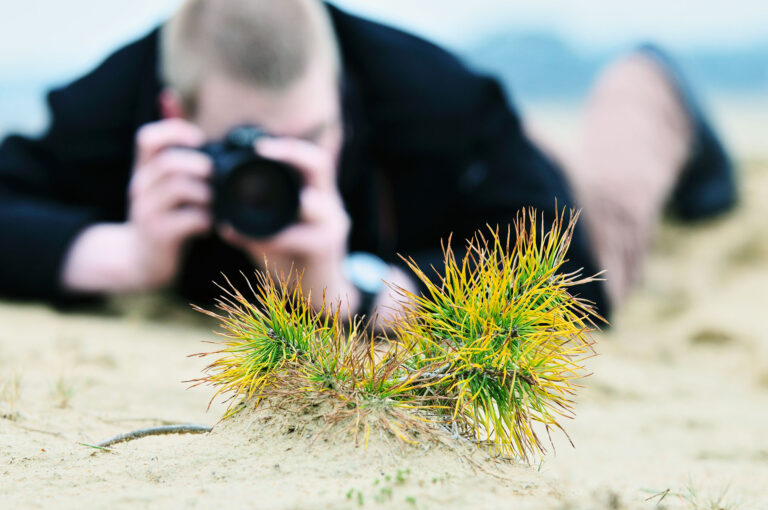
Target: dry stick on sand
x=155, y=431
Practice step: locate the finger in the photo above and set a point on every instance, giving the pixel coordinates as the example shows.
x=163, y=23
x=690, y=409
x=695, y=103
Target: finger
x=298, y=241
x=168, y=163
x=172, y=193
x=318, y=207
x=252, y=246
x=232, y=236
x=156, y=136
x=184, y=223
x=229, y=234
x=312, y=161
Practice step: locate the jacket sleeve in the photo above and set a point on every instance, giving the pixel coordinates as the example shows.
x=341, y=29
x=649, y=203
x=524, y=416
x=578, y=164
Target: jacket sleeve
x=75, y=174
x=500, y=173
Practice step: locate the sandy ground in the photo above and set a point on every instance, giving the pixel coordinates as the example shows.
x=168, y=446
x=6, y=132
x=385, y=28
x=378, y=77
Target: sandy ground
x=677, y=405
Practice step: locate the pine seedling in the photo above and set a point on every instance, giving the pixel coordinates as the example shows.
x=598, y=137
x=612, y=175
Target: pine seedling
x=261, y=339
x=507, y=336
x=493, y=349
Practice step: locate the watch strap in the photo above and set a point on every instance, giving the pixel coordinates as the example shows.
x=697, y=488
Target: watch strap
x=367, y=301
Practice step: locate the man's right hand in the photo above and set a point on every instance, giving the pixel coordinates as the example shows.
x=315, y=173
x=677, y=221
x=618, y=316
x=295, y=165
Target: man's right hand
x=169, y=202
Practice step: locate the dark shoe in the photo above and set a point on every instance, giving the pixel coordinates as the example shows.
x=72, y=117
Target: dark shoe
x=707, y=185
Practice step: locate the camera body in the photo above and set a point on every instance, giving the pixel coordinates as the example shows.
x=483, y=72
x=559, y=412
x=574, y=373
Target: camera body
x=257, y=196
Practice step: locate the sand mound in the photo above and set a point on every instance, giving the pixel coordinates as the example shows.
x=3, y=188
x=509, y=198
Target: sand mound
x=306, y=430
x=290, y=442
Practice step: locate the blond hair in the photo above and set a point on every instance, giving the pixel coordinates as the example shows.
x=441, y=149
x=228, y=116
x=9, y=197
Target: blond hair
x=267, y=43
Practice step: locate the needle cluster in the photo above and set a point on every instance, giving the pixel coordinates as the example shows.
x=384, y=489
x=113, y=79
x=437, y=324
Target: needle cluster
x=507, y=333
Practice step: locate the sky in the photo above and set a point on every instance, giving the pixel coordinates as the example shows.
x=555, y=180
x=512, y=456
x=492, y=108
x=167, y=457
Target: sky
x=55, y=36
x=48, y=42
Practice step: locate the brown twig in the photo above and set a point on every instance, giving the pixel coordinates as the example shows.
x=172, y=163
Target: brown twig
x=155, y=431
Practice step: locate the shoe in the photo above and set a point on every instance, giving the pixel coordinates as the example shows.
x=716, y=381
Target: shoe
x=707, y=185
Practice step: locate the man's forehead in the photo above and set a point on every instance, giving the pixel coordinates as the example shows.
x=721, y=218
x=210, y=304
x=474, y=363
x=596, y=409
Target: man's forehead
x=308, y=106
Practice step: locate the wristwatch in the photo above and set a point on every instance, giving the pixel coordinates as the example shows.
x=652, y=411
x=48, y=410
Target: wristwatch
x=367, y=273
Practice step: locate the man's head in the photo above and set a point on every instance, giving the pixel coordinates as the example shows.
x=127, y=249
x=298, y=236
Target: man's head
x=272, y=63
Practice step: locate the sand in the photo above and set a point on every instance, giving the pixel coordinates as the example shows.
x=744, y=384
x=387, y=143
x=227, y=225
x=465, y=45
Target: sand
x=677, y=405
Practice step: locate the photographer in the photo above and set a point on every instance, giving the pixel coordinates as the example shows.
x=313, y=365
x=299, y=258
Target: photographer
x=395, y=144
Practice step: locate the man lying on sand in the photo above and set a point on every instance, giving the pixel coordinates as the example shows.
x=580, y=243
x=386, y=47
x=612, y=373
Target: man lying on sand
x=391, y=143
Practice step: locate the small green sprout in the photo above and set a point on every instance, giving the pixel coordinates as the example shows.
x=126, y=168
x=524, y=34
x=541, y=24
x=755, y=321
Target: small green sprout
x=10, y=389
x=62, y=391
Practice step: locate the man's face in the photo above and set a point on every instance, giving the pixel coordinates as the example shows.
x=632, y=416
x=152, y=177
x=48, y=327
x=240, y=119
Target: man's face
x=309, y=109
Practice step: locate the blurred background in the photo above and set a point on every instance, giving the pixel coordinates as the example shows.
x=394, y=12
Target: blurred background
x=679, y=396
x=547, y=52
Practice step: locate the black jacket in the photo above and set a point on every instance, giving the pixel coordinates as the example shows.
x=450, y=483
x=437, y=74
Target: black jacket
x=433, y=149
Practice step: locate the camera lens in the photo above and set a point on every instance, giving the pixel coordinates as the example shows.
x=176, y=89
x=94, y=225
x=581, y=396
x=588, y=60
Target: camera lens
x=259, y=197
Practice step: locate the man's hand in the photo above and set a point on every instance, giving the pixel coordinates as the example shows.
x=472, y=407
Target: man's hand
x=169, y=197
x=169, y=200
x=317, y=243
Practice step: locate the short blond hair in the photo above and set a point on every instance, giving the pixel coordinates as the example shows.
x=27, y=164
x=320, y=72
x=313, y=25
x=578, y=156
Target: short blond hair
x=267, y=43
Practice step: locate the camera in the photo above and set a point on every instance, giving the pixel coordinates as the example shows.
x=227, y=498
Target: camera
x=256, y=195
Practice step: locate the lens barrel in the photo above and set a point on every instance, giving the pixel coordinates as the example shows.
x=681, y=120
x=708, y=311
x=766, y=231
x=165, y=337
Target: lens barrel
x=256, y=195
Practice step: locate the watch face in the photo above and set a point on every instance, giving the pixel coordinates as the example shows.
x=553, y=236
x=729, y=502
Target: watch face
x=366, y=271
